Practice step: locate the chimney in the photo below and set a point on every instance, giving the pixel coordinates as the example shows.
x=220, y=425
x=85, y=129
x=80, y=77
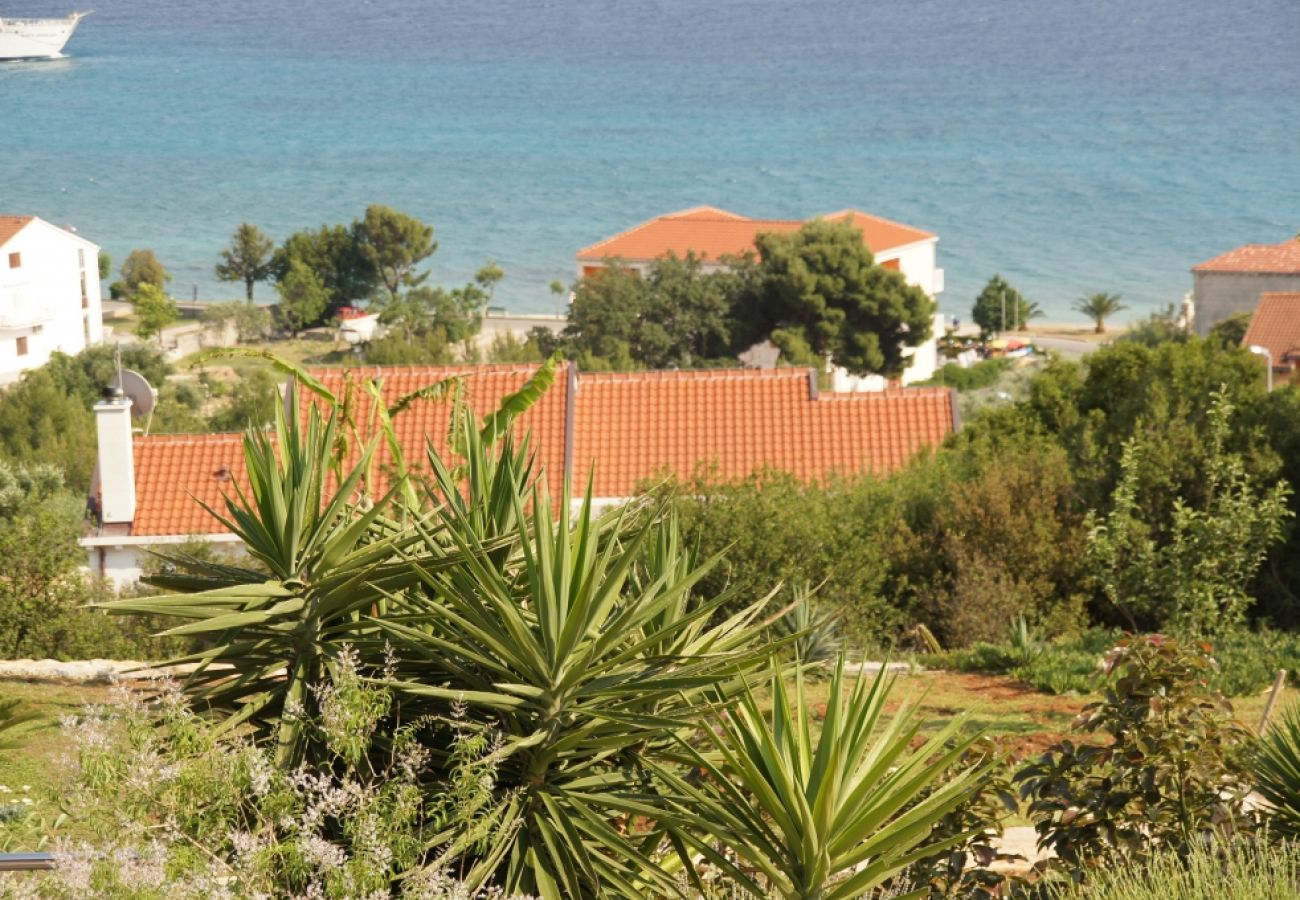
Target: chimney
x=116, y=468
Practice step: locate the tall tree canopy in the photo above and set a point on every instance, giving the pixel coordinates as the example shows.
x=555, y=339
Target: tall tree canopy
x=141, y=267
x=1000, y=307
x=303, y=298
x=247, y=258
x=394, y=244
x=332, y=253
x=820, y=286
x=673, y=315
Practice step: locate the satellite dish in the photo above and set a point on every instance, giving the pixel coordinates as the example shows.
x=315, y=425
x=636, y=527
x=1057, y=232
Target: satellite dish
x=142, y=396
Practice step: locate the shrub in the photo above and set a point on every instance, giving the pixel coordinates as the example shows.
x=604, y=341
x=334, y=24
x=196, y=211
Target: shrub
x=1241, y=870
x=1168, y=775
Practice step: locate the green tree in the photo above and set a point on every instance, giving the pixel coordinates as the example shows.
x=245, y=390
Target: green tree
x=247, y=258
x=303, y=299
x=394, y=244
x=333, y=255
x=1099, y=307
x=251, y=404
x=821, y=282
x=154, y=311
x=40, y=523
x=105, y=264
x=1194, y=580
x=143, y=267
x=1232, y=330
x=488, y=277
x=1000, y=307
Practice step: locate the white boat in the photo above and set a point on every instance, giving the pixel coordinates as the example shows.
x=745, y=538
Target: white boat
x=36, y=38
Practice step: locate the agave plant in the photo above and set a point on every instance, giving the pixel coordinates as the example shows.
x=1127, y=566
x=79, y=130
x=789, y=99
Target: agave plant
x=1275, y=764
x=587, y=657
x=831, y=816
x=273, y=636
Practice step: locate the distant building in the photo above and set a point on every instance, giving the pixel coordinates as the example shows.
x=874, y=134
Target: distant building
x=1275, y=326
x=49, y=294
x=626, y=430
x=714, y=234
x=1232, y=283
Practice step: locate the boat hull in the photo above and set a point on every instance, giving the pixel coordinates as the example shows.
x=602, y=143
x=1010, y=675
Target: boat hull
x=36, y=38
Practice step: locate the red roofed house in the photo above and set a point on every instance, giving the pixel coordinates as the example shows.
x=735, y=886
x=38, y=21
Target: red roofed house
x=1275, y=326
x=715, y=234
x=49, y=294
x=627, y=429
x=1232, y=283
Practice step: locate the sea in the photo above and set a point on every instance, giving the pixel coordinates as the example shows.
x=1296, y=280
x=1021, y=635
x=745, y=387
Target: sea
x=1073, y=146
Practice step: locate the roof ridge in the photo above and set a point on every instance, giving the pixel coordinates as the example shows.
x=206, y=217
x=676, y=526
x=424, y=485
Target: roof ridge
x=852, y=211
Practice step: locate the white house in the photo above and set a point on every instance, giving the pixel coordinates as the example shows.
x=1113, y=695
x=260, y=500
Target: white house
x=714, y=234
x=49, y=294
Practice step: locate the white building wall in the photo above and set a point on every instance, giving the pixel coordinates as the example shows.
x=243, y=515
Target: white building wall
x=121, y=560
x=916, y=263
x=41, y=298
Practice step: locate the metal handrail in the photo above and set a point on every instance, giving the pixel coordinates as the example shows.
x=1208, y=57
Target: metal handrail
x=27, y=862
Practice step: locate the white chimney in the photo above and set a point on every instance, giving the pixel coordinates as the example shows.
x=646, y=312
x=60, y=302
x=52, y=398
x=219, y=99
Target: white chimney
x=116, y=468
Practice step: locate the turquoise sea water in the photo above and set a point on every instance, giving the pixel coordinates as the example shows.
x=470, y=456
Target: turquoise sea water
x=1073, y=145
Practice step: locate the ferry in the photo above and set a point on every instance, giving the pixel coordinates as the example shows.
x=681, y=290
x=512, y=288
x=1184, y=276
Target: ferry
x=36, y=38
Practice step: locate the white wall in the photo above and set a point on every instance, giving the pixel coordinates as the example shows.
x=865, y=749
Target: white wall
x=916, y=263
x=121, y=559
x=41, y=300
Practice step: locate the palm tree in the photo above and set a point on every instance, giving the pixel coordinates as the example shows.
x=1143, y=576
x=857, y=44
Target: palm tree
x=1098, y=306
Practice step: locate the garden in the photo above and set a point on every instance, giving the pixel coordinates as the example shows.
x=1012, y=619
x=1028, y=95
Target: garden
x=473, y=684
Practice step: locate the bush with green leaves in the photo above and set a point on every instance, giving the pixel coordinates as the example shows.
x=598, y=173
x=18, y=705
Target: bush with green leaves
x=1195, y=577
x=1167, y=774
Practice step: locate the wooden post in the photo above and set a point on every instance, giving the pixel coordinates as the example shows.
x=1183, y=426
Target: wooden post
x=1278, y=683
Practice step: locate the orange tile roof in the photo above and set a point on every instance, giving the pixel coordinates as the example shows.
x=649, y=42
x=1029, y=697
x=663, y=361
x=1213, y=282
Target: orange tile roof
x=632, y=427
x=1259, y=259
x=1276, y=326
x=424, y=420
x=11, y=225
x=712, y=233
x=174, y=472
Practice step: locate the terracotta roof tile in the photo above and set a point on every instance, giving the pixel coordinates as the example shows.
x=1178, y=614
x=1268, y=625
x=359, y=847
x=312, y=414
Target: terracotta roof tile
x=174, y=472
x=11, y=225
x=1276, y=326
x=1261, y=259
x=631, y=427
x=428, y=421
x=714, y=233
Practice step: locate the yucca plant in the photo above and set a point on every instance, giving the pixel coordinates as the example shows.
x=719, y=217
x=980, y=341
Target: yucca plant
x=329, y=562
x=1275, y=765
x=814, y=634
x=830, y=816
x=582, y=672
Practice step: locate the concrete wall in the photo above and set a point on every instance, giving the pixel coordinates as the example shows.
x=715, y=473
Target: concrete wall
x=1217, y=295
x=41, y=298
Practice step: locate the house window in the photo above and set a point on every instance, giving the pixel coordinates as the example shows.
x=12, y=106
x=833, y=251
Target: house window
x=81, y=257
x=22, y=346
x=15, y=260
x=85, y=325
x=85, y=295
